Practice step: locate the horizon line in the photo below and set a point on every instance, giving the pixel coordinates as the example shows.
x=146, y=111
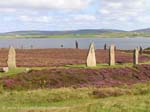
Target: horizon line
x=74, y=30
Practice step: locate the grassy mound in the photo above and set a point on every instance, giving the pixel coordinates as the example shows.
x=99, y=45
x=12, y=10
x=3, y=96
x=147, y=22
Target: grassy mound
x=76, y=77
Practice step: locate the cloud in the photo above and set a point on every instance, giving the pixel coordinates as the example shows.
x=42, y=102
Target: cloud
x=115, y=5
x=39, y=19
x=74, y=14
x=104, y=11
x=45, y=4
x=144, y=19
x=123, y=9
x=83, y=18
x=56, y=19
x=7, y=10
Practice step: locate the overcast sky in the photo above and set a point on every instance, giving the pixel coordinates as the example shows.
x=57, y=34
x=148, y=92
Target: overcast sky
x=73, y=14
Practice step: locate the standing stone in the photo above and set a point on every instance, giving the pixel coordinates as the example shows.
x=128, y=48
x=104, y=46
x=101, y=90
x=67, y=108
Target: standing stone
x=141, y=50
x=62, y=46
x=11, y=58
x=22, y=47
x=91, y=59
x=105, y=47
x=136, y=56
x=112, y=55
x=31, y=46
x=115, y=48
x=77, y=46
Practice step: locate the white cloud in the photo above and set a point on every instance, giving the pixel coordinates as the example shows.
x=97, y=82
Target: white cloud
x=143, y=19
x=39, y=19
x=126, y=7
x=123, y=19
x=104, y=11
x=45, y=4
x=123, y=9
x=82, y=18
x=7, y=10
x=115, y=5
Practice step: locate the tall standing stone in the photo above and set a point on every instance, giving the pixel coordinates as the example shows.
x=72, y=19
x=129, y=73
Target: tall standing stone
x=91, y=58
x=115, y=48
x=105, y=47
x=112, y=55
x=11, y=58
x=136, y=56
x=77, y=45
x=22, y=47
x=141, y=50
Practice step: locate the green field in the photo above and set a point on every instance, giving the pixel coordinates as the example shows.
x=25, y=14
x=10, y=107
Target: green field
x=100, y=35
x=117, y=99
x=114, y=99
x=124, y=98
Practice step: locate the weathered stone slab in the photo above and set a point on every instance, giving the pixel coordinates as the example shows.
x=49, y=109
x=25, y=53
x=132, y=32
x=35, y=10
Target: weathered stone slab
x=91, y=58
x=112, y=55
x=11, y=58
x=136, y=56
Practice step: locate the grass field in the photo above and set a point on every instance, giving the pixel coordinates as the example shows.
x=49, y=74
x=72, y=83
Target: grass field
x=117, y=99
x=124, y=98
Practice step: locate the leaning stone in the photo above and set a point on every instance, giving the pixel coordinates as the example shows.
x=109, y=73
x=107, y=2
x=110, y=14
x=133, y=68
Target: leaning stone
x=91, y=58
x=4, y=69
x=112, y=55
x=136, y=56
x=11, y=58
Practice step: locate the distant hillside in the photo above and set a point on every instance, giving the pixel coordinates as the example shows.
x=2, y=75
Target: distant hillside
x=142, y=30
x=86, y=31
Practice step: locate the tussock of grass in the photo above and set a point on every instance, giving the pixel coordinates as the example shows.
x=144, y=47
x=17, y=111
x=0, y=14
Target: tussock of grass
x=137, y=89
